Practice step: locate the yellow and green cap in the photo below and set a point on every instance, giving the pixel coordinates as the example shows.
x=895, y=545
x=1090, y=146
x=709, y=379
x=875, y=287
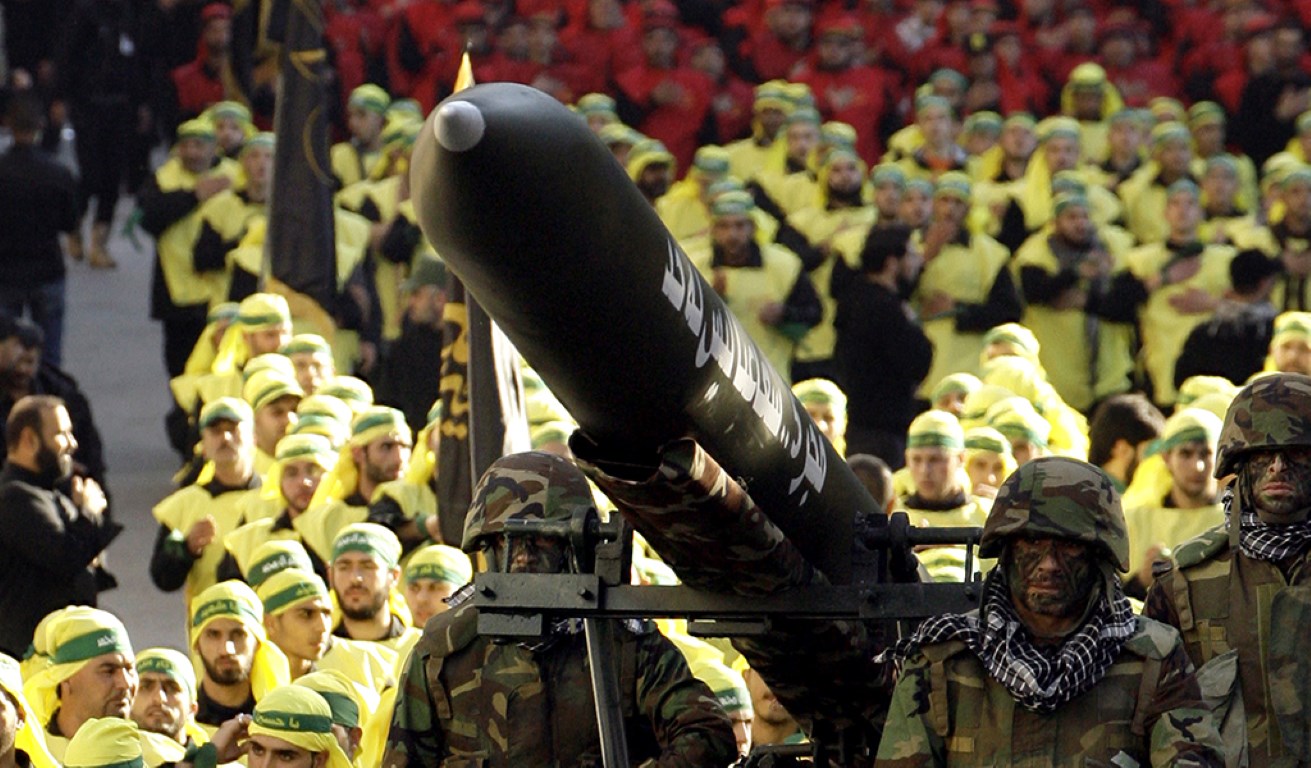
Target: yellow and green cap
x=1187, y=425
x=711, y=161
x=935, y=429
x=732, y=204
x=1205, y=113
x=370, y=97
x=955, y=384
x=353, y=391
x=953, y=184
x=196, y=128
x=263, y=310
x=301, y=717
x=275, y=556
x=307, y=344
x=267, y=387
x=439, y=562
x=372, y=539
x=288, y=587
x=105, y=742
x=227, y=600
x=378, y=421
x=225, y=409
x=172, y=664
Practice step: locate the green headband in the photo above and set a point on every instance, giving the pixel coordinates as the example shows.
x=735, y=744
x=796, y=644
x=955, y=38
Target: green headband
x=260, y=571
x=136, y=762
x=298, y=722
x=345, y=712
x=363, y=541
x=934, y=440
x=1189, y=435
x=225, y=606
x=293, y=594
x=433, y=571
x=986, y=443
x=91, y=645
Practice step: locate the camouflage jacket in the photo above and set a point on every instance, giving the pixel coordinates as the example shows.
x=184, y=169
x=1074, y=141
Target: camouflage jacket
x=709, y=530
x=466, y=700
x=946, y=710
x=1221, y=600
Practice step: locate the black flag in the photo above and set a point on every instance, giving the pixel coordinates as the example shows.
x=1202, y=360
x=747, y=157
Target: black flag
x=301, y=248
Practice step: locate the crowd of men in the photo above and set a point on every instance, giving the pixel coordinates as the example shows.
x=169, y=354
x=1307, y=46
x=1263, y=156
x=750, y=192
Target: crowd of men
x=990, y=245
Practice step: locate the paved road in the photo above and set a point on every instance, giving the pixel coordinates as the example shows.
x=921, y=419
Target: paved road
x=113, y=348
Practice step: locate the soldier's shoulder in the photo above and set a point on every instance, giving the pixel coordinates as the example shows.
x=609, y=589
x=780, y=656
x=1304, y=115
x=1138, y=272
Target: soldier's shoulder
x=1206, y=546
x=1152, y=639
x=449, y=632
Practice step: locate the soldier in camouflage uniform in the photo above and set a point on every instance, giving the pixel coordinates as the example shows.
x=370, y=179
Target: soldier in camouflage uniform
x=1238, y=592
x=1054, y=670
x=470, y=700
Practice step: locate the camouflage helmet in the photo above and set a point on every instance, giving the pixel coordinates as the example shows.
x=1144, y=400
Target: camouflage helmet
x=524, y=486
x=1059, y=498
x=1272, y=412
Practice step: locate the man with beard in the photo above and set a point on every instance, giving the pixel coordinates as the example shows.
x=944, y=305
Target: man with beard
x=1119, y=434
x=1238, y=587
x=880, y=352
x=836, y=228
x=378, y=451
x=770, y=722
x=82, y=668
x=447, y=705
x=1054, y=668
x=165, y=705
x=762, y=285
x=23, y=372
x=51, y=533
x=227, y=634
x=364, y=574
x=298, y=620
x=194, y=520
x=1065, y=275
x=651, y=168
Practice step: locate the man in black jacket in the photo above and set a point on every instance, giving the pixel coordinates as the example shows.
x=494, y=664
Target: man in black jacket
x=882, y=354
x=49, y=541
x=38, y=201
x=25, y=371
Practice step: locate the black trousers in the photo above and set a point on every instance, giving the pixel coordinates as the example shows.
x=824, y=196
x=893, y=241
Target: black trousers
x=105, y=132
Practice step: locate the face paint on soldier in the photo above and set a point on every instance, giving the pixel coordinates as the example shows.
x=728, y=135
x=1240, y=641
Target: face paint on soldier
x=302, y=632
x=1280, y=484
x=227, y=651
x=1050, y=581
x=162, y=706
x=266, y=751
x=526, y=554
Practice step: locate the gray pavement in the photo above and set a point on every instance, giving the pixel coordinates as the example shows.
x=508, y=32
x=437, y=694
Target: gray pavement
x=113, y=349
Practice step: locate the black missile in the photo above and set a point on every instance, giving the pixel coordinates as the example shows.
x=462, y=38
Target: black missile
x=546, y=230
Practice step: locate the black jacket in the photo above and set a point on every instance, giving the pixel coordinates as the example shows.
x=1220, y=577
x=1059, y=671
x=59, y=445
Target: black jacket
x=882, y=356
x=38, y=200
x=47, y=546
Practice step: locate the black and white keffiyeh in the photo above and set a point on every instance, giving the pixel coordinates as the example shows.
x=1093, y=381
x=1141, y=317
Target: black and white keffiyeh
x=1040, y=678
x=1271, y=543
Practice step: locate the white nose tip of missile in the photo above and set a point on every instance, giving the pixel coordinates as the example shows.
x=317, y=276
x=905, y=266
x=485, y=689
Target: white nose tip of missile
x=459, y=126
